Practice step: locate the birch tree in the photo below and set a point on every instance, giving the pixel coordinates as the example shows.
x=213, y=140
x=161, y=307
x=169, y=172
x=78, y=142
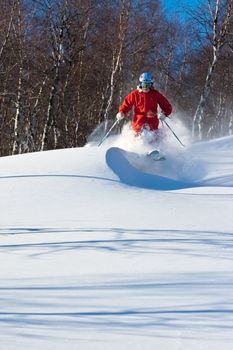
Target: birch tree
x=118, y=51
x=7, y=16
x=221, y=16
x=19, y=115
x=56, y=34
x=7, y=32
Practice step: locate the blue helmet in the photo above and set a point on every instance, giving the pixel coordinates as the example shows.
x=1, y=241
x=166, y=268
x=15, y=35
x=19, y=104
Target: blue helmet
x=146, y=81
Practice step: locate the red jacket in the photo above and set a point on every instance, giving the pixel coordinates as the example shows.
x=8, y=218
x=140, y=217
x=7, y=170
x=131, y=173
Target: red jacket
x=145, y=108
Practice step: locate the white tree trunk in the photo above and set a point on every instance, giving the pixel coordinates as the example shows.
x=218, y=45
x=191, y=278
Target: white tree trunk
x=8, y=31
x=117, y=54
x=18, y=118
x=220, y=26
x=49, y=119
x=197, y=127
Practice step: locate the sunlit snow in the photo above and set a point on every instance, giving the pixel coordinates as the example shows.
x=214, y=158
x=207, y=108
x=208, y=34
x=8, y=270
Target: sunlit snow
x=90, y=260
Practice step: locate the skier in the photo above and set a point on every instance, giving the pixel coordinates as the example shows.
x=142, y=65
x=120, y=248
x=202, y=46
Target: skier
x=145, y=100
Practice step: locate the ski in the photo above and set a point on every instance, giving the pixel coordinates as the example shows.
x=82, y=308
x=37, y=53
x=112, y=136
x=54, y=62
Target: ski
x=155, y=155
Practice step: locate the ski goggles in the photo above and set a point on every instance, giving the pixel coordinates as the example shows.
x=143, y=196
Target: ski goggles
x=145, y=85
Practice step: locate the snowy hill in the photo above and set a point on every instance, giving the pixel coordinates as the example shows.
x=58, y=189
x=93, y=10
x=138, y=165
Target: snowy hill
x=93, y=261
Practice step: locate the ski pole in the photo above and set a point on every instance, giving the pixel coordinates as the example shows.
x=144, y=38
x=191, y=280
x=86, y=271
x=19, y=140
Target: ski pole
x=173, y=133
x=104, y=138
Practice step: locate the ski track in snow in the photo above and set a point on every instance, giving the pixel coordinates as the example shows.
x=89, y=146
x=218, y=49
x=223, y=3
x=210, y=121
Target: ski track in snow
x=95, y=264
x=184, y=305
x=152, y=304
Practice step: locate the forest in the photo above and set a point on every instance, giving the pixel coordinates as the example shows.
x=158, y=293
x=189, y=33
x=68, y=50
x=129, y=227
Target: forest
x=66, y=65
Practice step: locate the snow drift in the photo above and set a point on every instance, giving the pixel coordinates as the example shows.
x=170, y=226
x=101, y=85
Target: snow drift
x=205, y=164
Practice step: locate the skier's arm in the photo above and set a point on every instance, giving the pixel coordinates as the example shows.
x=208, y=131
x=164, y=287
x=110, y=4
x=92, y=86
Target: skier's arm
x=164, y=104
x=127, y=104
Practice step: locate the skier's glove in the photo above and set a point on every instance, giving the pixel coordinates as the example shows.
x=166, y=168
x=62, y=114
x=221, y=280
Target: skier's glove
x=120, y=116
x=162, y=117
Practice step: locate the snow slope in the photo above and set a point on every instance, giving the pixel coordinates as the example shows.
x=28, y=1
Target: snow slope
x=91, y=262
